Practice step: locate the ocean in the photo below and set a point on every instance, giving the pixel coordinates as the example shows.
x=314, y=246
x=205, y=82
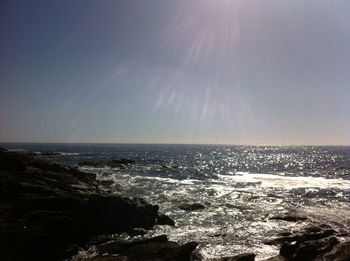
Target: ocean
x=241, y=187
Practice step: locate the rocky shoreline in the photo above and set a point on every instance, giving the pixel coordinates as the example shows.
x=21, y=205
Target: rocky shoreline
x=54, y=212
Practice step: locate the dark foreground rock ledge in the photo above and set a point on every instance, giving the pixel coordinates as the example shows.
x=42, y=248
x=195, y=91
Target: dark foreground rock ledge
x=314, y=242
x=46, y=207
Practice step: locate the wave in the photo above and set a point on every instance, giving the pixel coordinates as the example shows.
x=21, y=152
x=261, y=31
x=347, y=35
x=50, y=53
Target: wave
x=287, y=182
x=58, y=153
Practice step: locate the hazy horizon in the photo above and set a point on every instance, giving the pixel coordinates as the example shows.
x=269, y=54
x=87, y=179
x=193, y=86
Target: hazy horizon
x=204, y=144
x=230, y=72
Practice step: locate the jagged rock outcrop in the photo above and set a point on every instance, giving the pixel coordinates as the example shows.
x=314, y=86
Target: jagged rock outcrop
x=45, y=207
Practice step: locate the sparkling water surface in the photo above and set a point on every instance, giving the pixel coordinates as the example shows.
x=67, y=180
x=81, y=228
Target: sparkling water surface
x=241, y=187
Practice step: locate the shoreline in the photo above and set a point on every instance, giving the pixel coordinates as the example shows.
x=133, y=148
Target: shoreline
x=41, y=197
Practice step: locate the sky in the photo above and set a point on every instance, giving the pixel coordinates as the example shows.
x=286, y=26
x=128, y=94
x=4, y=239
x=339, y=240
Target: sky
x=184, y=71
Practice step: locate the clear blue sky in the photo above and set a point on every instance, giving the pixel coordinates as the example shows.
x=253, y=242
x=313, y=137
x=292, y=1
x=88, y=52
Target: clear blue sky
x=184, y=71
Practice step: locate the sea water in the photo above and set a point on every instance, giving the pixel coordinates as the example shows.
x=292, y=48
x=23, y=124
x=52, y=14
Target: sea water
x=241, y=187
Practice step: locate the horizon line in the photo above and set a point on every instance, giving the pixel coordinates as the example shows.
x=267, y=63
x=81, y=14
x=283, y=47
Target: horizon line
x=173, y=143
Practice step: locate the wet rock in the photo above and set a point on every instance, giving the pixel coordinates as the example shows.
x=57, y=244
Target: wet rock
x=155, y=251
x=136, y=232
x=107, y=183
x=181, y=253
x=290, y=218
x=312, y=228
x=94, y=164
x=112, y=163
x=340, y=252
x=277, y=258
x=193, y=206
x=114, y=214
x=303, y=235
x=288, y=249
x=118, y=246
x=99, y=240
x=155, y=248
x=241, y=257
x=165, y=220
x=117, y=163
x=53, y=153
x=149, y=251
x=309, y=250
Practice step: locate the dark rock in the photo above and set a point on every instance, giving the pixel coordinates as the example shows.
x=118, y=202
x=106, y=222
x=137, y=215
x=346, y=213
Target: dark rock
x=53, y=153
x=290, y=218
x=120, y=162
x=99, y=240
x=183, y=252
x=136, y=232
x=309, y=250
x=318, y=235
x=165, y=220
x=312, y=228
x=107, y=182
x=302, y=235
x=277, y=258
x=70, y=251
x=155, y=248
x=287, y=250
x=150, y=251
x=241, y=257
x=94, y=164
x=11, y=161
x=118, y=246
x=46, y=207
x=340, y=252
x=112, y=163
x=117, y=214
x=193, y=206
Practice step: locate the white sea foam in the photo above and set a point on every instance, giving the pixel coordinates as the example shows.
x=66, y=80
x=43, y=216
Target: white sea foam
x=169, y=180
x=287, y=182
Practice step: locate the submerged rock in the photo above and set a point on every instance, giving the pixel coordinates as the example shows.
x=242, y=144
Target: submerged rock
x=95, y=164
x=111, y=164
x=193, y=206
x=290, y=218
